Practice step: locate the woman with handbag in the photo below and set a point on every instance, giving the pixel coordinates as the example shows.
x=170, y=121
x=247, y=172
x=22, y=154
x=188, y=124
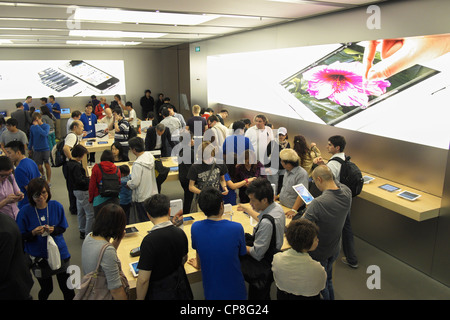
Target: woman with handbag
x=99, y=257
x=40, y=219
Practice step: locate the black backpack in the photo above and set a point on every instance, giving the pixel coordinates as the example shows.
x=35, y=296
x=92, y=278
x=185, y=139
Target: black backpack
x=350, y=175
x=131, y=132
x=109, y=186
x=57, y=153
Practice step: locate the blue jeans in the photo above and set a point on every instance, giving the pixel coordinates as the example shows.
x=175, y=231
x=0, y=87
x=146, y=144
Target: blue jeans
x=85, y=211
x=328, y=291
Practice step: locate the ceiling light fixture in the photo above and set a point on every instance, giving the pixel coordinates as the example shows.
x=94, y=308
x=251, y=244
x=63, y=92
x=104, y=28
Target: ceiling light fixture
x=146, y=17
x=103, y=43
x=115, y=34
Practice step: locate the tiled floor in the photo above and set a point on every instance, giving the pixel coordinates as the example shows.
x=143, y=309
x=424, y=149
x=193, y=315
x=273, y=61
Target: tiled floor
x=398, y=280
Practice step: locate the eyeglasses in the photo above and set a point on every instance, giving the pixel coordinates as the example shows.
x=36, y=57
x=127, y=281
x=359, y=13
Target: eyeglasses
x=38, y=194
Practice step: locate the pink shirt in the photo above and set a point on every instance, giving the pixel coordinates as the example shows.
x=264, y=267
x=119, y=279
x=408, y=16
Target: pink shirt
x=8, y=187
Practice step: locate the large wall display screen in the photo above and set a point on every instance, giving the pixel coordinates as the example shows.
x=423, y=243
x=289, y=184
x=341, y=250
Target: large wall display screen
x=396, y=88
x=61, y=78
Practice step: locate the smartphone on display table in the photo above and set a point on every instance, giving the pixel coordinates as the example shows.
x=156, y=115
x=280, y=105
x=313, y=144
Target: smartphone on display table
x=97, y=79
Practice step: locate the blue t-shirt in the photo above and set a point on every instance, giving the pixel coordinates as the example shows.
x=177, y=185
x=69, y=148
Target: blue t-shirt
x=89, y=124
x=38, y=137
x=24, y=173
x=219, y=245
x=26, y=107
x=125, y=192
x=27, y=220
x=237, y=144
x=231, y=196
x=57, y=107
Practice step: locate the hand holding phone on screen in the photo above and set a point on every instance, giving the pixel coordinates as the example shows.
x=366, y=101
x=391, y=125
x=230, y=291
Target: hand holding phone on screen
x=400, y=54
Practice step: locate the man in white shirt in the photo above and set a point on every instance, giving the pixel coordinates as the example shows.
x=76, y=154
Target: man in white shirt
x=132, y=118
x=218, y=130
x=260, y=135
x=108, y=119
x=172, y=123
x=143, y=178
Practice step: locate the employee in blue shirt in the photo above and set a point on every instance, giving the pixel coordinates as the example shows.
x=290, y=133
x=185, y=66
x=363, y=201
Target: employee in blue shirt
x=38, y=145
x=56, y=110
x=89, y=120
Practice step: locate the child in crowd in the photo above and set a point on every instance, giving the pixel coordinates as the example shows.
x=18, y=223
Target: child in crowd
x=296, y=274
x=125, y=192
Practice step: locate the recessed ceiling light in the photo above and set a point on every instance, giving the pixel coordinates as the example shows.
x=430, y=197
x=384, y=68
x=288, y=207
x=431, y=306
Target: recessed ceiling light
x=116, y=15
x=114, y=34
x=103, y=43
x=5, y=41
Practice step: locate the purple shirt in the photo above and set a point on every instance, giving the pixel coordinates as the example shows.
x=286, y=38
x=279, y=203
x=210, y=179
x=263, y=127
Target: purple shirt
x=8, y=187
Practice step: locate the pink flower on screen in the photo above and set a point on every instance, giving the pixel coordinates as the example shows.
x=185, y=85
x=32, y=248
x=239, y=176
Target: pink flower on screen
x=343, y=84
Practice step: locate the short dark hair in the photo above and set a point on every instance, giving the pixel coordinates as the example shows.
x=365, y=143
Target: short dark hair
x=36, y=185
x=19, y=104
x=117, y=96
x=300, y=234
x=118, y=111
x=210, y=201
x=124, y=170
x=89, y=105
x=338, y=141
x=110, y=222
x=238, y=125
x=261, y=188
x=76, y=113
x=129, y=104
x=44, y=99
x=5, y=163
x=51, y=97
x=157, y=205
x=107, y=155
x=165, y=112
x=12, y=122
x=16, y=146
x=79, y=151
x=246, y=121
x=137, y=143
x=213, y=118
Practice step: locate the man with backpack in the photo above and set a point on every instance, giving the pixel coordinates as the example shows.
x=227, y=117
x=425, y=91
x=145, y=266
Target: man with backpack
x=345, y=172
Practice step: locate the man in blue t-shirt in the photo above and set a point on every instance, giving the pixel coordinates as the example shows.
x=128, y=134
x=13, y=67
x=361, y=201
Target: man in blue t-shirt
x=56, y=110
x=38, y=145
x=219, y=243
x=26, y=169
x=89, y=120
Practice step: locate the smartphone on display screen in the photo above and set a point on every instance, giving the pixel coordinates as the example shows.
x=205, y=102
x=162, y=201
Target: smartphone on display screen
x=332, y=87
x=97, y=79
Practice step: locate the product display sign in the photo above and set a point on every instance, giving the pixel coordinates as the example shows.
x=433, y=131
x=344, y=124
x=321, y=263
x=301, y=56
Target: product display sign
x=395, y=88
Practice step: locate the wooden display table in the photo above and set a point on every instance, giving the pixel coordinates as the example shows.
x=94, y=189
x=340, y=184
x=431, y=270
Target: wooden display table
x=424, y=208
x=134, y=240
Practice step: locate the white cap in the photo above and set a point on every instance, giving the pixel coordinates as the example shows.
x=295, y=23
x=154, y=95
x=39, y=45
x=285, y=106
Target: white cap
x=282, y=130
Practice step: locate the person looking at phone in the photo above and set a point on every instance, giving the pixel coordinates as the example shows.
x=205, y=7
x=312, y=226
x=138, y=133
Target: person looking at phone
x=10, y=193
x=26, y=169
x=36, y=220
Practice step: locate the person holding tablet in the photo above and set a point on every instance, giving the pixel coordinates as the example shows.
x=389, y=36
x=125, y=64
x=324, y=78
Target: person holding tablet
x=294, y=175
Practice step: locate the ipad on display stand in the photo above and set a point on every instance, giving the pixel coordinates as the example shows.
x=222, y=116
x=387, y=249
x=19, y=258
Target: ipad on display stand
x=409, y=195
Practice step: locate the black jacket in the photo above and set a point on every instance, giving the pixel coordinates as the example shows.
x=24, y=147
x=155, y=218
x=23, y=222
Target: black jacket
x=166, y=141
x=77, y=176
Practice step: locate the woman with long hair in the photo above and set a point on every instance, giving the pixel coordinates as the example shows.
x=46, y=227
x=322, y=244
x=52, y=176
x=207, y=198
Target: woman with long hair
x=306, y=152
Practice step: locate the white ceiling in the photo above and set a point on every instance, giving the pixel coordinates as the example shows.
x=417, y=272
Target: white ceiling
x=47, y=23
